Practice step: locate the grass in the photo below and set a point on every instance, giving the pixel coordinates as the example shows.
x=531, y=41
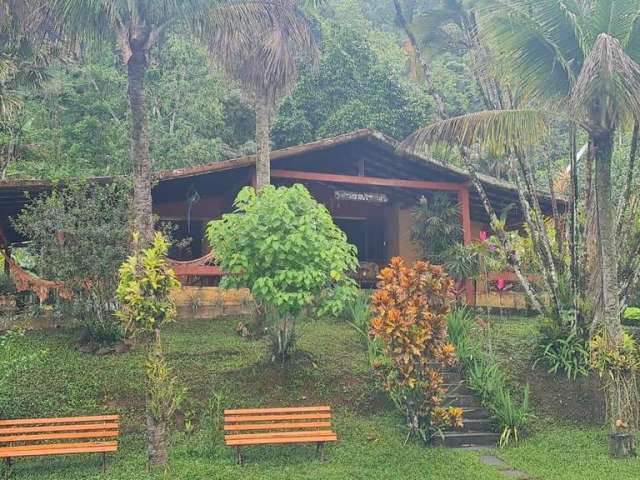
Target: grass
x=330, y=366
x=219, y=367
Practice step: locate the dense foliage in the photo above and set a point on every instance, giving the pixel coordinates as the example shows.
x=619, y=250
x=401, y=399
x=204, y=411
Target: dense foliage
x=79, y=234
x=79, y=120
x=410, y=308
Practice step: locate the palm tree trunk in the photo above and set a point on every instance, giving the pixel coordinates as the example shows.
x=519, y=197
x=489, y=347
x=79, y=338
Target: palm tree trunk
x=620, y=387
x=263, y=140
x=140, y=157
x=605, y=269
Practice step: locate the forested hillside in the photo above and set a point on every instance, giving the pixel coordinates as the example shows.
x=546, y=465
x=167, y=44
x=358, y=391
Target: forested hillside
x=74, y=119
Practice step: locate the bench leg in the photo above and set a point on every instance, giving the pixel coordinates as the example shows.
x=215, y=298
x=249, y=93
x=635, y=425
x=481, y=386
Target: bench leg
x=104, y=462
x=320, y=450
x=7, y=467
x=238, y=456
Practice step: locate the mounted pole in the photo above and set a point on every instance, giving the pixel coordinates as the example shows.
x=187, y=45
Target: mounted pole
x=465, y=212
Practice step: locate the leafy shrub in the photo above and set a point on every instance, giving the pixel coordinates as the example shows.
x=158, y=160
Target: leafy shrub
x=512, y=417
x=563, y=350
x=459, y=326
x=146, y=282
x=80, y=235
x=284, y=247
x=410, y=309
x=617, y=362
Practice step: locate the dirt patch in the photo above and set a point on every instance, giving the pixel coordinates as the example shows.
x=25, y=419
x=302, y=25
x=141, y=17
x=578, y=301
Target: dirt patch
x=555, y=398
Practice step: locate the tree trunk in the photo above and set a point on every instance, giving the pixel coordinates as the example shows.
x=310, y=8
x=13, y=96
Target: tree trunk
x=605, y=268
x=624, y=199
x=573, y=233
x=536, y=229
x=140, y=157
x=500, y=233
x=263, y=140
x=157, y=441
x=620, y=388
x=157, y=430
x=554, y=207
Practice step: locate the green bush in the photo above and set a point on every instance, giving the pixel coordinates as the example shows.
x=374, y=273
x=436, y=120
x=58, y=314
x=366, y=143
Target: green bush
x=284, y=247
x=563, y=350
x=80, y=235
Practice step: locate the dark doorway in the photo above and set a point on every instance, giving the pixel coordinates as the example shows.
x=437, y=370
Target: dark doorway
x=367, y=235
x=187, y=240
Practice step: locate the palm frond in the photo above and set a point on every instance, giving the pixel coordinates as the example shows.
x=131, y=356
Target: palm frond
x=608, y=88
x=497, y=131
x=538, y=43
x=259, y=43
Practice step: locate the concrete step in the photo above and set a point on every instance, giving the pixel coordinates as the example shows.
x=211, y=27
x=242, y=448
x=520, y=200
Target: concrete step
x=476, y=425
x=456, y=400
x=475, y=413
x=459, y=388
x=466, y=439
x=452, y=377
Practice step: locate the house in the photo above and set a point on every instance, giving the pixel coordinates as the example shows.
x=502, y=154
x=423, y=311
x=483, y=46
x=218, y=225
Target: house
x=368, y=186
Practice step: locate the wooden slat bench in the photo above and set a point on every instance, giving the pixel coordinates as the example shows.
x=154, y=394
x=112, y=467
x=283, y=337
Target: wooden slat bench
x=58, y=436
x=273, y=426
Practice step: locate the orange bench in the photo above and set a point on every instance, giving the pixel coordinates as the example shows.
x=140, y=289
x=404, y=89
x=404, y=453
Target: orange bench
x=274, y=426
x=58, y=436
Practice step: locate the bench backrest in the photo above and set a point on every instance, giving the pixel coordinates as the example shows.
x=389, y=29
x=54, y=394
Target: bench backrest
x=41, y=431
x=296, y=419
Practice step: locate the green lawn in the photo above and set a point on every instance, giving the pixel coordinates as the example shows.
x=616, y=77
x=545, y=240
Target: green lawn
x=223, y=370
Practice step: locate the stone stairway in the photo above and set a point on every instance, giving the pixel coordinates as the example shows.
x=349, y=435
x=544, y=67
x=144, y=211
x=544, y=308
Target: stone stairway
x=478, y=431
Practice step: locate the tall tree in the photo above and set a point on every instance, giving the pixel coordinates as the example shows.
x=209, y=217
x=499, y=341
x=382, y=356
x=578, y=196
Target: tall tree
x=265, y=64
x=578, y=59
x=136, y=27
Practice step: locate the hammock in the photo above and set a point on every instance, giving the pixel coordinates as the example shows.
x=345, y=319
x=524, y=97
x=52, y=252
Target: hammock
x=198, y=262
x=26, y=281
x=200, y=267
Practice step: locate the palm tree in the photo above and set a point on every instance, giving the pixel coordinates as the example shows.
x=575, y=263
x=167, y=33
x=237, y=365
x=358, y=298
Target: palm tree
x=136, y=26
x=264, y=62
x=577, y=60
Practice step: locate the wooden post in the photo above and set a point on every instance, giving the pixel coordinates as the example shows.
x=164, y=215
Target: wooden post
x=7, y=467
x=465, y=211
x=320, y=450
x=253, y=178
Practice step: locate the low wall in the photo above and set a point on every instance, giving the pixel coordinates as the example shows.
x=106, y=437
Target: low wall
x=212, y=302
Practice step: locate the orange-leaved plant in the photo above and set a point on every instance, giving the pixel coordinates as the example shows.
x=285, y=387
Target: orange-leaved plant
x=410, y=308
